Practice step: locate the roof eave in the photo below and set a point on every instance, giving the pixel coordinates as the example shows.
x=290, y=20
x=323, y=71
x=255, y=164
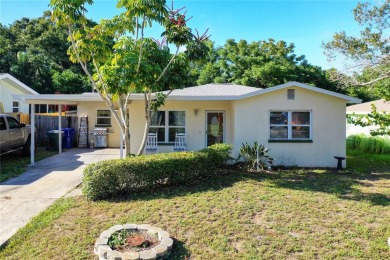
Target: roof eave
x=18, y=82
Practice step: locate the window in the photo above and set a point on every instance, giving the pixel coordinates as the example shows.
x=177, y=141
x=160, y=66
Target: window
x=15, y=106
x=40, y=108
x=12, y=123
x=167, y=124
x=290, y=94
x=2, y=124
x=290, y=125
x=103, y=118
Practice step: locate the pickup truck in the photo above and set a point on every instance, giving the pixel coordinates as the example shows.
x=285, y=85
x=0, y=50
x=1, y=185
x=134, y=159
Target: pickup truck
x=14, y=135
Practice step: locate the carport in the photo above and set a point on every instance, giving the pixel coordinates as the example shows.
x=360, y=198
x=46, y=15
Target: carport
x=56, y=99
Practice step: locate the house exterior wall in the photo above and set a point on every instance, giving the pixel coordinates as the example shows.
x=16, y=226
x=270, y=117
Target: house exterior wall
x=6, y=91
x=247, y=120
x=252, y=123
x=357, y=129
x=195, y=124
x=90, y=109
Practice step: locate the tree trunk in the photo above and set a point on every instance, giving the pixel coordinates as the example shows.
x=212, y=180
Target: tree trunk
x=127, y=140
x=148, y=114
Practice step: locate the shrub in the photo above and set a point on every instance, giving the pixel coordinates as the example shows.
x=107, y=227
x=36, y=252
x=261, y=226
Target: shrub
x=369, y=144
x=111, y=178
x=248, y=154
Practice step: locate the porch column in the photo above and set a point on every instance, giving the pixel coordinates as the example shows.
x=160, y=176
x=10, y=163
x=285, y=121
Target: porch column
x=59, y=129
x=32, y=136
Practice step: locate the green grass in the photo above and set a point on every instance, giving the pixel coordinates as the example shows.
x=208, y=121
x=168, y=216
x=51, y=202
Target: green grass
x=361, y=162
x=14, y=164
x=294, y=214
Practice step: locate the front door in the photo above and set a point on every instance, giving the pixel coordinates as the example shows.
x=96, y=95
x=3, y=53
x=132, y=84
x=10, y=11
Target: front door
x=215, y=127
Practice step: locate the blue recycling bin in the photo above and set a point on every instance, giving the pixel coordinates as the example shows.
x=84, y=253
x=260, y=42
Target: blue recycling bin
x=67, y=139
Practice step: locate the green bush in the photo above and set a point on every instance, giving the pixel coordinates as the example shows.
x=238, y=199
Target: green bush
x=112, y=178
x=369, y=144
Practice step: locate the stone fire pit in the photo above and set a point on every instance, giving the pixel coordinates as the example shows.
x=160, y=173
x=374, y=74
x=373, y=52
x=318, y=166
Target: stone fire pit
x=159, y=251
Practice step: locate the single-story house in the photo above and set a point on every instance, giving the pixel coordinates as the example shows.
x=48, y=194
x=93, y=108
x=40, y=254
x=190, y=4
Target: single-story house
x=9, y=86
x=364, y=109
x=301, y=124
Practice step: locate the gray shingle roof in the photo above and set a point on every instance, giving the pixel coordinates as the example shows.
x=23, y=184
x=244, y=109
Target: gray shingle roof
x=214, y=91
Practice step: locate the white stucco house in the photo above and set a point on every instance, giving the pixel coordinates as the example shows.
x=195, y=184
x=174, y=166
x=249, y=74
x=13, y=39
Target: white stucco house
x=301, y=124
x=364, y=109
x=9, y=86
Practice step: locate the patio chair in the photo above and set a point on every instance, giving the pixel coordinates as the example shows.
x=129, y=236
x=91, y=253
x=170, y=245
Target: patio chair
x=180, y=143
x=151, y=144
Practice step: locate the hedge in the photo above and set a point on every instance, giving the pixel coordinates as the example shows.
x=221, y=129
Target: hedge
x=369, y=144
x=112, y=178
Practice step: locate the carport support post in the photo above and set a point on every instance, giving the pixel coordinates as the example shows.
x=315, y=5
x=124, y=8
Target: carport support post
x=59, y=129
x=32, y=136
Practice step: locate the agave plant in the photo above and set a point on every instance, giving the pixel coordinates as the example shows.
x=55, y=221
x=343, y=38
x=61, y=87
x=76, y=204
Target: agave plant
x=255, y=156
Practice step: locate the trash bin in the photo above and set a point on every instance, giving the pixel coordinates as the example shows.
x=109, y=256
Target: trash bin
x=68, y=137
x=53, y=139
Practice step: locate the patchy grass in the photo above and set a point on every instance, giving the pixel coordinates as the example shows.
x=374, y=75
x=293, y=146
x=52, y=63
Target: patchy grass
x=360, y=162
x=14, y=164
x=296, y=214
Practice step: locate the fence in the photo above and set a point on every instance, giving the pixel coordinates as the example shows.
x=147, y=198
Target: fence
x=45, y=123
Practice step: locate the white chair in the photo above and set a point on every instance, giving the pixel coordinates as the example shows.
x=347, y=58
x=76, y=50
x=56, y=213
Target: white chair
x=180, y=143
x=151, y=144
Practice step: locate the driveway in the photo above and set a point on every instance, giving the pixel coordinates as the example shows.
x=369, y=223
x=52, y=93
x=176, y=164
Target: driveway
x=23, y=197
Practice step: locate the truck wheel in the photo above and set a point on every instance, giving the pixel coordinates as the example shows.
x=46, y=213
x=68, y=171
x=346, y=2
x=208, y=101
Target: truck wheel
x=26, y=147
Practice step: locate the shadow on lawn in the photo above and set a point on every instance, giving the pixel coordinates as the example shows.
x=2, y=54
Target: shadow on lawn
x=343, y=185
x=179, y=251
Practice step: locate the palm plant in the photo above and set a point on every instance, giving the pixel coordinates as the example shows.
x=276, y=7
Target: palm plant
x=255, y=157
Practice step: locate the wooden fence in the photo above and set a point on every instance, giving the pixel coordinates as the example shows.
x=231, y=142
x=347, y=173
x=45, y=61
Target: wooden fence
x=49, y=121
x=45, y=123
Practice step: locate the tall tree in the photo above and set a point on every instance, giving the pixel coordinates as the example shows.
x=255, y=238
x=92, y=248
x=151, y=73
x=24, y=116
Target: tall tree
x=368, y=59
x=124, y=60
x=34, y=51
x=369, y=52
x=259, y=64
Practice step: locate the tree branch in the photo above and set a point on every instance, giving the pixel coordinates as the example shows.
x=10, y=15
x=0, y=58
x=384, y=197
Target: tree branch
x=169, y=63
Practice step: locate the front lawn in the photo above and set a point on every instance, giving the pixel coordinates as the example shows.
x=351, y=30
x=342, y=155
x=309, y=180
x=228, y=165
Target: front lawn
x=296, y=214
x=14, y=164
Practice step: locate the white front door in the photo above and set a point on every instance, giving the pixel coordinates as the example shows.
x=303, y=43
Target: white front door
x=215, y=130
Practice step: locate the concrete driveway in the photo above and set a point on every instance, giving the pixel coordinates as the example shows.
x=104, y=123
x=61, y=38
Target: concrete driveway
x=23, y=197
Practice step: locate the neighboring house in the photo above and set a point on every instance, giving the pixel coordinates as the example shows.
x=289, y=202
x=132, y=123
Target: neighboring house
x=301, y=124
x=362, y=110
x=10, y=86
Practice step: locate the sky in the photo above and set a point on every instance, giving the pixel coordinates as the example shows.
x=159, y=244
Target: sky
x=306, y=23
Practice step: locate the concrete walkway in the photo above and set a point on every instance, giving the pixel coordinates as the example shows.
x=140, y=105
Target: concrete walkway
x=23, y=197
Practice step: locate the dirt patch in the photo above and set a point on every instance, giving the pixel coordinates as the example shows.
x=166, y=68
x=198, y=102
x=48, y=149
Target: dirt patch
x=132, y=241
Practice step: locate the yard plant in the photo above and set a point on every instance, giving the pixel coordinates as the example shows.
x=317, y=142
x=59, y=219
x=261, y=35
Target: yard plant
x=253, y=155
x=369, y=144
x=112, y=178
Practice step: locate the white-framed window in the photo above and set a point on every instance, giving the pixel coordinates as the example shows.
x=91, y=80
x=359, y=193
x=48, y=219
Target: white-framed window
x=15, y=106
x=166, y=124
x=103, y=118
x=41, y=108
x=290, y=125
